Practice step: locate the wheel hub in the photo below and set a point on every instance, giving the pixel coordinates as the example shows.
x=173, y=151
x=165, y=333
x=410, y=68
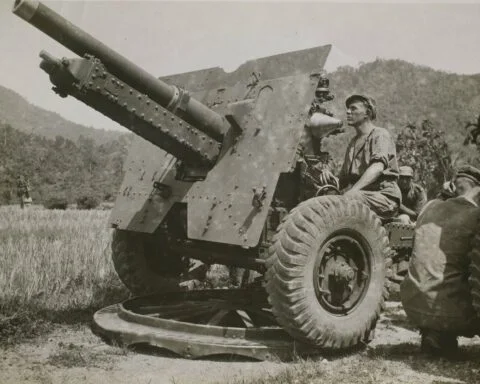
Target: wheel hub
x=340, y=274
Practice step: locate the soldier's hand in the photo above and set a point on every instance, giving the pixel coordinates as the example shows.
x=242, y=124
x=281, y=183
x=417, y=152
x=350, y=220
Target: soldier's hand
x=327, y=177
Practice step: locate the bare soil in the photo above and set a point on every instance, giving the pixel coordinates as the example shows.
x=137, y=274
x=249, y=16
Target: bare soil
x=72, y=354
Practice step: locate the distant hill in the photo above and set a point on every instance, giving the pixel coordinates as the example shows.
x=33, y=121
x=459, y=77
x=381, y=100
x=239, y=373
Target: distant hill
x=60, y=167
x=64, y=158
x=408, y=93
x=28, y=118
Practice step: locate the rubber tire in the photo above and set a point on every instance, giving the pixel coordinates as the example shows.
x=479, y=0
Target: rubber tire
x=474, y=278
x=289, y=273
x=129, y=250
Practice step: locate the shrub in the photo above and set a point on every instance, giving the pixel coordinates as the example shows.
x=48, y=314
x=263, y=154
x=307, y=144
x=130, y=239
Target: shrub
x=87, y=202
x=56, y=202
x=426, y=150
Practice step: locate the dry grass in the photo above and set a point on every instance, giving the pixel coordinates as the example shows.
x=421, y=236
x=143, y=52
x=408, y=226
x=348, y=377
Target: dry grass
x=400, y=364
x=55, y=265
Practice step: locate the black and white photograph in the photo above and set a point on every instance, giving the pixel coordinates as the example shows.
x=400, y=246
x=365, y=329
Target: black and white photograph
x=239, y=192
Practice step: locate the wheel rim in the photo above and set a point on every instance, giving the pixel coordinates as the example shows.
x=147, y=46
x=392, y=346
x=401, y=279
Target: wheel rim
x=341, y=274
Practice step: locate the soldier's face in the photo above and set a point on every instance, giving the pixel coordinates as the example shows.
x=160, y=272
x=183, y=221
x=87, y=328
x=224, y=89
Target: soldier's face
x=356, y=113
x=404, y=182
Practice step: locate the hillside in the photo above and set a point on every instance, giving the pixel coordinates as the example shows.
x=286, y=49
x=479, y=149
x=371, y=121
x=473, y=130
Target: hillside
x=28, y=118
x=64, y=158
x=409, y=93
x=61, y=167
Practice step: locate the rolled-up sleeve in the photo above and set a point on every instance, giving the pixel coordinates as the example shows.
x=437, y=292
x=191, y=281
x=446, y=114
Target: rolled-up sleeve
x=381, y=148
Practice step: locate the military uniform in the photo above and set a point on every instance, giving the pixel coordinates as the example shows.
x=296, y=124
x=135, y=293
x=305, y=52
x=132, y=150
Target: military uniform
x=383, y=196
x=435, y=293
x=415, y=198
x=22, y=186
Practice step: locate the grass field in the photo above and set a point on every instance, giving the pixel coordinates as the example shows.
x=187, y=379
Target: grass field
x=55, y=266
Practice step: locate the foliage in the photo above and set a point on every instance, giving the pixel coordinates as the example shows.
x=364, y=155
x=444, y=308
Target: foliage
x=473, y=132
x=87, y=202
x=75, y=161
x=425, y=149
x=56, y=202
x=60, y=167
x=409, y=94
x=7, y=196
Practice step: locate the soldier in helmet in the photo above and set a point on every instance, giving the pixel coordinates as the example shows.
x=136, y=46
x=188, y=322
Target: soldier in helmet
x=435, y=293
x=413, y=196
x=370, y=170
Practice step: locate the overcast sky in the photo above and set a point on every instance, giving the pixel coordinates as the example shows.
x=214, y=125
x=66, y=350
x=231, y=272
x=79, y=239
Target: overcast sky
x=171, y=37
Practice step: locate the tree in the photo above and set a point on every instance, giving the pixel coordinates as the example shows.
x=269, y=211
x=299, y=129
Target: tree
x=87, y=202
x=425, y=149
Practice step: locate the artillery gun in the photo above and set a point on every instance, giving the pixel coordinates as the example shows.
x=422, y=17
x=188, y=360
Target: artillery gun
x=221, y=171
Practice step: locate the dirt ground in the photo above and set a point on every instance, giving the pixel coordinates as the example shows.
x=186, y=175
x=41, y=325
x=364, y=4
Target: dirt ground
x=75, y=355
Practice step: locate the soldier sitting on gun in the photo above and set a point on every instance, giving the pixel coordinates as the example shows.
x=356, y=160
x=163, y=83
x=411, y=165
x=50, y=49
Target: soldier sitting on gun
x=413, y=196
x=370, y=170
x=435, y=293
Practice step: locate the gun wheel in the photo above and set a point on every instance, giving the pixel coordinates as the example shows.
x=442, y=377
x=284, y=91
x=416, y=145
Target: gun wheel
x=326, y=272
x=201, y=323
x=143, y=265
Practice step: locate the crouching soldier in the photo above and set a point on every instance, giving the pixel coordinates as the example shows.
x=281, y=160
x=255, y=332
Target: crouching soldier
x=435, y=293
x=413, y=196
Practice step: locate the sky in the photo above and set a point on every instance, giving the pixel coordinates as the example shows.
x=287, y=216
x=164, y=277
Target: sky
x=173, y=37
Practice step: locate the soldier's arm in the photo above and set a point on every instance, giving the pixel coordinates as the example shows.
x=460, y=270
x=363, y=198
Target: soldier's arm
x=421, y=200
x=373, y=172
x=408, y=211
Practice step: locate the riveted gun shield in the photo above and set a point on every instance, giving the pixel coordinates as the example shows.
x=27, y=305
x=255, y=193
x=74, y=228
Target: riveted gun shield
x=222, y=170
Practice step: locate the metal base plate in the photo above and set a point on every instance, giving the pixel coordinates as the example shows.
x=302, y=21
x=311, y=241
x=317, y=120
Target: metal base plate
x=201, y=323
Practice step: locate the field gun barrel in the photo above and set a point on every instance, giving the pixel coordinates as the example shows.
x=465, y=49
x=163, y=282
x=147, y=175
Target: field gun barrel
x=124, y=73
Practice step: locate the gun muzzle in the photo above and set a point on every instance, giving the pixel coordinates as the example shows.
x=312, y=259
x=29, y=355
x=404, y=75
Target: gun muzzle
x=80, y=42
x=25, y=9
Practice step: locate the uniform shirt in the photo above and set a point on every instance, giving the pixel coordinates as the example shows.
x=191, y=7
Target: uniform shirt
x=361, y=152
x=435, y=293
x=415, y=198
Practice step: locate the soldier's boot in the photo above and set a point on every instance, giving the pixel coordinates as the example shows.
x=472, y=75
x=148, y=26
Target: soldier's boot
x=438, y=343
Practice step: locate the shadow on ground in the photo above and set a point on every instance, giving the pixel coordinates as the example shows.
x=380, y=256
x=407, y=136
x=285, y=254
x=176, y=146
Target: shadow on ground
x=464, y=366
